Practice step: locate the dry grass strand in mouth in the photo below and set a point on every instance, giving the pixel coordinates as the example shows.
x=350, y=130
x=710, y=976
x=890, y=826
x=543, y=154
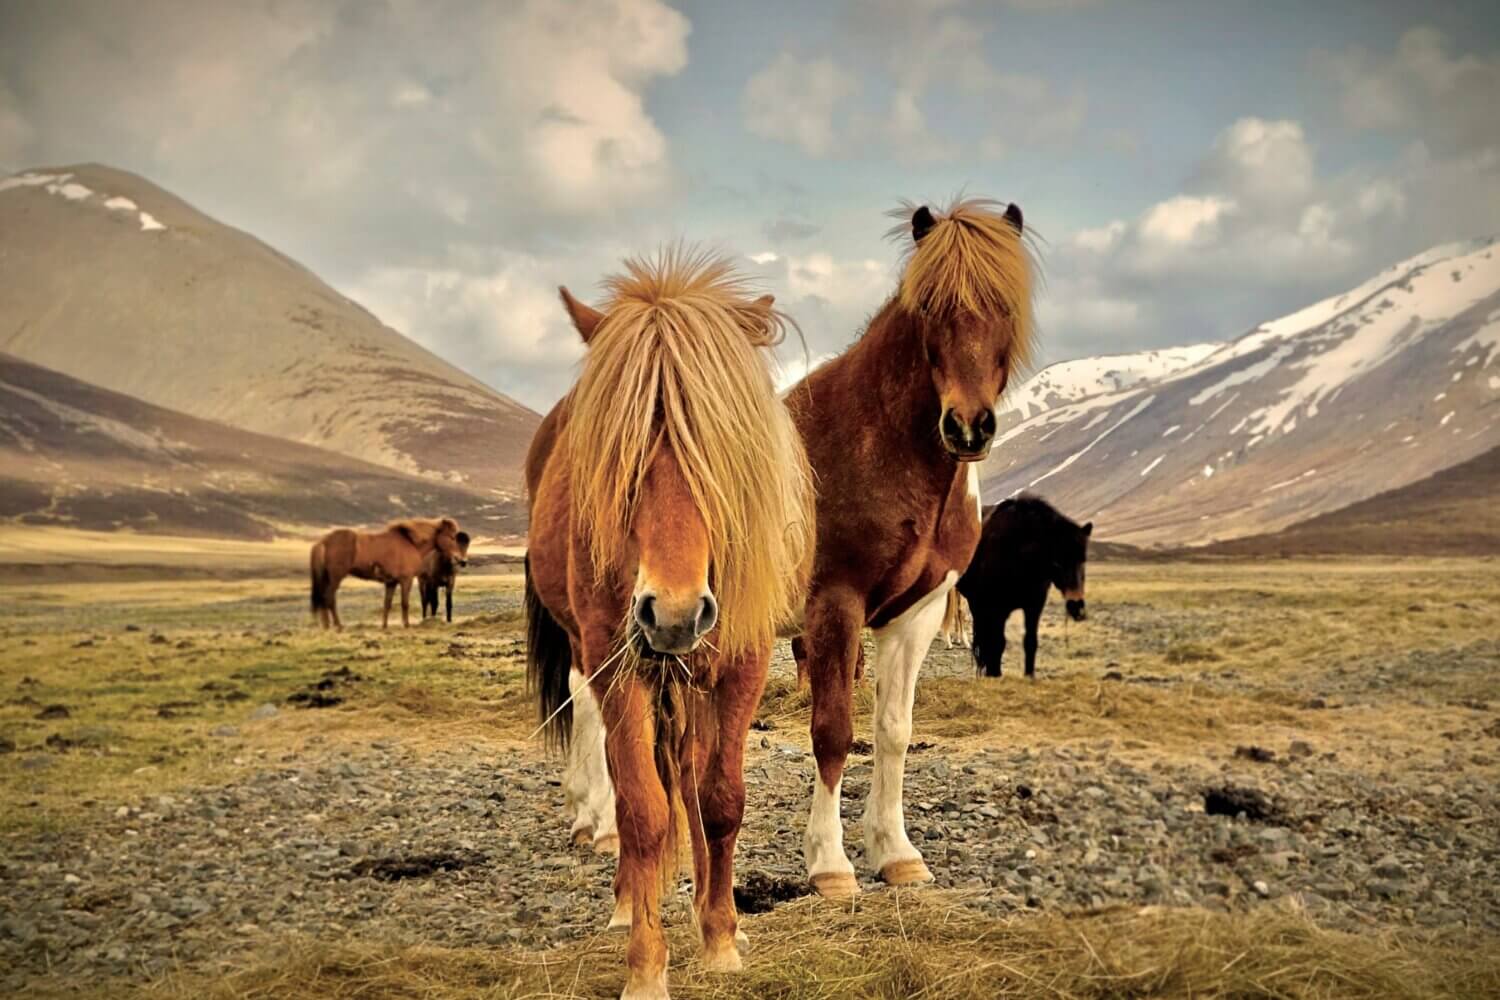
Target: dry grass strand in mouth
x=914, y=943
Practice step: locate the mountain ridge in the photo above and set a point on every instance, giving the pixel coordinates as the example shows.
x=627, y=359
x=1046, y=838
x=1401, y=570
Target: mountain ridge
x=1278, y=425
x=121, y=284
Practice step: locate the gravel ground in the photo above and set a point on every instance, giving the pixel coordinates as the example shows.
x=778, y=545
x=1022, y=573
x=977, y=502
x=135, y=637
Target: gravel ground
x=452, y=848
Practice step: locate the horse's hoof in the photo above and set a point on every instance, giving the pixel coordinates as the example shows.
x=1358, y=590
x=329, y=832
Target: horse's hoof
x=645, y=987
x=621, y=918
x=839, y=886
x=608, y=844
x=741, y=940
x=913, y=871
x=583, y=836
x=724, y=958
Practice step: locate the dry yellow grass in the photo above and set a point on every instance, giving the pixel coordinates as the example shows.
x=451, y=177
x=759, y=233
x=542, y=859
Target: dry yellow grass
x=1279, y=630
x=907, y=944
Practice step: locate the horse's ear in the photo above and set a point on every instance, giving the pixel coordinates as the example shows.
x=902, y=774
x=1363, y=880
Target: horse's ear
x=1013, y=215
x=585, y=319
x=921, y=223
x=1088, y=528
x=764, y=303
x=462, y=538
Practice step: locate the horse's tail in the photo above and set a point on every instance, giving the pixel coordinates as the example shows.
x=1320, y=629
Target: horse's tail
x=549, y=657
x=318, y=571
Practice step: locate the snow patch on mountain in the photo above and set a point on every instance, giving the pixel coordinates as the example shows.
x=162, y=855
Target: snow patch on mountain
x=1070, y=381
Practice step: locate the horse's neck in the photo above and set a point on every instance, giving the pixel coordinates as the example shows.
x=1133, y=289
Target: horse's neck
x=904, y=406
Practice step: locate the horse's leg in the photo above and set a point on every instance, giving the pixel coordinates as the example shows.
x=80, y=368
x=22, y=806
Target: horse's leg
x=720, y=803
x=831, y=638
x=1033, y=619
x=385, y=616
x=448, y=594
x=644, y=816
x=586, y=783
x=406, y=602
x=996, y=667
x=333, y=604
x=900, y=647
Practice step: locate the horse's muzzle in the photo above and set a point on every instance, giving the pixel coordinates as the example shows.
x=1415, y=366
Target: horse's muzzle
x=1077, y=611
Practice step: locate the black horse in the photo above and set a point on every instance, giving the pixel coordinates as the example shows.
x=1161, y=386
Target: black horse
x=439, y=573
x=1025, y=548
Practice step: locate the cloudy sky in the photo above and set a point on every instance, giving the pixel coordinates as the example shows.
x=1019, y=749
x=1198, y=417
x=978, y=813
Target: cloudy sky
x=448, y=164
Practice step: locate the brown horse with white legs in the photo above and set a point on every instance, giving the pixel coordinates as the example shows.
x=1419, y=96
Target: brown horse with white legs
x=392, y=557
x=671, y=524
x=894, y=429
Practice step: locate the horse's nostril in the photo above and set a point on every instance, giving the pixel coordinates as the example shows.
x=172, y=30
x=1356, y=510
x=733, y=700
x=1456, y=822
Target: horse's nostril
x=645, y=611
x=708, y=615
x=985, y=425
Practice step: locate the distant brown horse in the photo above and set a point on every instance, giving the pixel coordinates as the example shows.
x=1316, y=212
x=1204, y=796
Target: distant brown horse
x=894, y=429
x=392, y=557
x=671, y=522
x=439, y=572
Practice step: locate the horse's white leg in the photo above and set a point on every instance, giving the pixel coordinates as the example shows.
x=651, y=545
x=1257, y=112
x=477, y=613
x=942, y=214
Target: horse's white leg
x=900, y=647
x=589, y=793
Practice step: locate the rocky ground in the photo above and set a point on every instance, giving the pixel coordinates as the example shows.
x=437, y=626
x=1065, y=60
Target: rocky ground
x=460, y=844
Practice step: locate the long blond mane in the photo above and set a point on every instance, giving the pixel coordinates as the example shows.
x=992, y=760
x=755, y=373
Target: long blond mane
x=675, y=363
x=972, y=260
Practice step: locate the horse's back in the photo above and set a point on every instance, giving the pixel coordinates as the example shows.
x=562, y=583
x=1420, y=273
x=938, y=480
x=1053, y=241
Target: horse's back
x=543, y=443
x=339, y=547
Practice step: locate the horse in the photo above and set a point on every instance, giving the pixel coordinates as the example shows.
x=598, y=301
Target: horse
x=392, y=557
x=1027, y=547
x=895, y=429
x=671, y=525
x=440, y=572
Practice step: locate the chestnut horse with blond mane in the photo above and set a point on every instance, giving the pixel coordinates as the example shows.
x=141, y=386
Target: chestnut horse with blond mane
x=894, y=429
x=392, y=557
x=671, y=532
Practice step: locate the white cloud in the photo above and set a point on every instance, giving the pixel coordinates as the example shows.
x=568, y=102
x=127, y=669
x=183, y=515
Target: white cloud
x=1101, y=238
x=1420, y=87
x=925, y=55
x=1264, y=163
x=501, y=316
x=1184, y=220
x=795, y=101
x=15, y=132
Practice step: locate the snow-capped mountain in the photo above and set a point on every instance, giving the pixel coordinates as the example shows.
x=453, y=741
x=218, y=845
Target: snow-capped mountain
x=1070, y=381
x=1363, y=392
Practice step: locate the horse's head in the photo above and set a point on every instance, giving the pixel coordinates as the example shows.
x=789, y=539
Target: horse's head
x=674, y=427
x=1070, y=553
x=967, y=284
x=451, y=542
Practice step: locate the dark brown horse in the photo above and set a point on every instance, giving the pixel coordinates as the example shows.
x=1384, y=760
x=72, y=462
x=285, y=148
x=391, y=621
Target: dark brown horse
x=893, y=429
x=439, y=572
x=671, y=522
x=1027, y=548
x=392, y=557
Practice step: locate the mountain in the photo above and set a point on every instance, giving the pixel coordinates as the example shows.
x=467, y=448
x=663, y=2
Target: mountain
x=77, y=455
x=1356, y=395
x=1451, y=513
x=1069, y=381
x=110, y=279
